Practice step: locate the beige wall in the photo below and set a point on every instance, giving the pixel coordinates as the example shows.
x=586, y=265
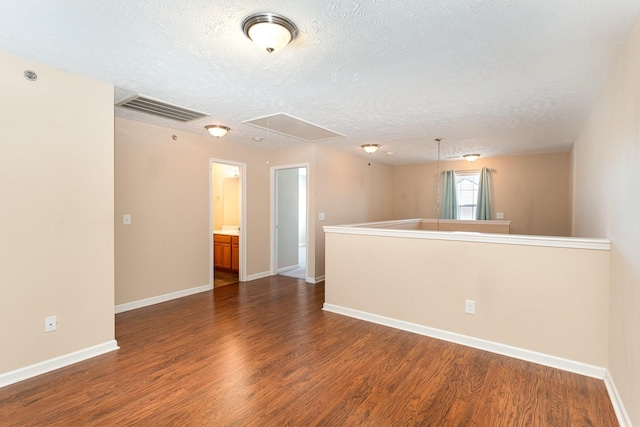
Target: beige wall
x=164, y=185
x=349, y=189
x=607, y=189
x=346, y=188
x=533, y=191
x=231, y=201
x=226, y=192
x=56, y=250
x=304, y=154
x=557, y=305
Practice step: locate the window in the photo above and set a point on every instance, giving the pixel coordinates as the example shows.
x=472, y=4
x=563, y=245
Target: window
x=467, y=194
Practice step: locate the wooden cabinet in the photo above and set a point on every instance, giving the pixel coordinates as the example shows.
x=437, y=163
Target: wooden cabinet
x=235, y=253
x=226, y=254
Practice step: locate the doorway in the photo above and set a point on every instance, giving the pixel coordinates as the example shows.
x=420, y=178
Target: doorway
x=227, y=223
x=290, y=221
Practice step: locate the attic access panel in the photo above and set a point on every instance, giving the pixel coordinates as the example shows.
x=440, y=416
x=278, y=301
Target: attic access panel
x=287, y=125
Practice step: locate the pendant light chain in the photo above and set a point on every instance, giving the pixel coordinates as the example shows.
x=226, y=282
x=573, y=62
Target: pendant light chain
x=268, y=128
x=438, y=140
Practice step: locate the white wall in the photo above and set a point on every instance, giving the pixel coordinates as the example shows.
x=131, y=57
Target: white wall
x=606, y=181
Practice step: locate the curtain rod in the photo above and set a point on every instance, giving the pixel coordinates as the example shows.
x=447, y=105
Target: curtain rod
x=474, y=170
x=470, y=170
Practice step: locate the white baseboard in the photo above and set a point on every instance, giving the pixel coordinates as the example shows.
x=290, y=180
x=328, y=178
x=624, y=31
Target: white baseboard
x=121, y=308
x=257, y=276
x=494, y=347
x=621, y=413
x=56, y=363
x=290, y=267
x=315, y=280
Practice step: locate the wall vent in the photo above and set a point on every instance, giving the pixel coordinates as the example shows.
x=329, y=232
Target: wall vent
x=161, y=108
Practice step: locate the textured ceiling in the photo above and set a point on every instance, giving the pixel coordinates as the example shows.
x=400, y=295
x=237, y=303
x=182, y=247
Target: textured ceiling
x=492, y=77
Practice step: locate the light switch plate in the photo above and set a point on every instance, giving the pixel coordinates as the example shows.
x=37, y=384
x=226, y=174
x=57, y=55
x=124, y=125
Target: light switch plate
x=126, y=219
x=470, y=306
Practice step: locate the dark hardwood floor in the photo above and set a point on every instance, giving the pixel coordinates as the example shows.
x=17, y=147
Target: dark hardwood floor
x=224, y=278
x=264, y=353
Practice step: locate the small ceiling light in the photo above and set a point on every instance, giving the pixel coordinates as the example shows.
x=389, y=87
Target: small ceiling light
x=471, y=157
x=370, y=148
x=269, y=31
x=217, y=130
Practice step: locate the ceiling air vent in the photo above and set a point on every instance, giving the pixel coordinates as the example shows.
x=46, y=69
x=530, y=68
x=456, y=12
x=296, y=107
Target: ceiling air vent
x=161, y=108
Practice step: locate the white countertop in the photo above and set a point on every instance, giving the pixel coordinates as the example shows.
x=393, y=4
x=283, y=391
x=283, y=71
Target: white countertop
x=227, y=232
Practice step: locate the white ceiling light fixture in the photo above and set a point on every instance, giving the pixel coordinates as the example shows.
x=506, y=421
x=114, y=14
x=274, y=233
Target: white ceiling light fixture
x=370, y=148
x=471, y=157
x=217, y=130
x=269, y=31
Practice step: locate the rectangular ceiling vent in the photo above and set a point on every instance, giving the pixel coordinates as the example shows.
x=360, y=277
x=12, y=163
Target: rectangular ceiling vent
x=161, y=108
x=287, y=125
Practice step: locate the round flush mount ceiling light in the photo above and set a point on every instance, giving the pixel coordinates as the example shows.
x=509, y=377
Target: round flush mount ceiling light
x=217, y=130
x=471, y=157
x=370, y=148
x=269, y=31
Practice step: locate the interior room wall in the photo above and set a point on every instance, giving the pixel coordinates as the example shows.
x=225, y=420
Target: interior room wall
x=607, y=204
x=226, y=190
x=517, y=302
x=164, y=184
x=533, y=191
x=56, y=250
x=231, y=201
x=296, y=155
x=345, y=187
x=349, y=189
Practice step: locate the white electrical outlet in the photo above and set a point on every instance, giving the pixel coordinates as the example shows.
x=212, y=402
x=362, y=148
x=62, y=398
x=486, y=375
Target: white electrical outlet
x=321, y=216
x=500, y=215
x=126, y=219
x=469, y=306
x=50, y=323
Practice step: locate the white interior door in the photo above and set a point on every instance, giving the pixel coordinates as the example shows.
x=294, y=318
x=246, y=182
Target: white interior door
x=287, y=218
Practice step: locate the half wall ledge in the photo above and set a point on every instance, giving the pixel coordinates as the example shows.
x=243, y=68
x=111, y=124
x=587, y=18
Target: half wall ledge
x=545, y=298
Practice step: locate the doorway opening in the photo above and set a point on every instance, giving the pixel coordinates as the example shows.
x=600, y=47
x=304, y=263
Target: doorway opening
x=227, y=232
x=290, y=221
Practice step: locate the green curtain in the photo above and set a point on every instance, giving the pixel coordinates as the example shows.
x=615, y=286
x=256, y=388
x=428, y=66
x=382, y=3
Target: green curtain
x=449, y=199
x=483, y=208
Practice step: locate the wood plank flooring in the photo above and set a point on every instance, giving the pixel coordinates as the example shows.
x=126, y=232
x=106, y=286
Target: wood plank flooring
x=264, y=353
x=224, y=278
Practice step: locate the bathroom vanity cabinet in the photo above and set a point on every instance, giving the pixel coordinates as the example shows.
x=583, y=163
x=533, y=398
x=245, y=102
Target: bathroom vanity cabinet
x=226, y=252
